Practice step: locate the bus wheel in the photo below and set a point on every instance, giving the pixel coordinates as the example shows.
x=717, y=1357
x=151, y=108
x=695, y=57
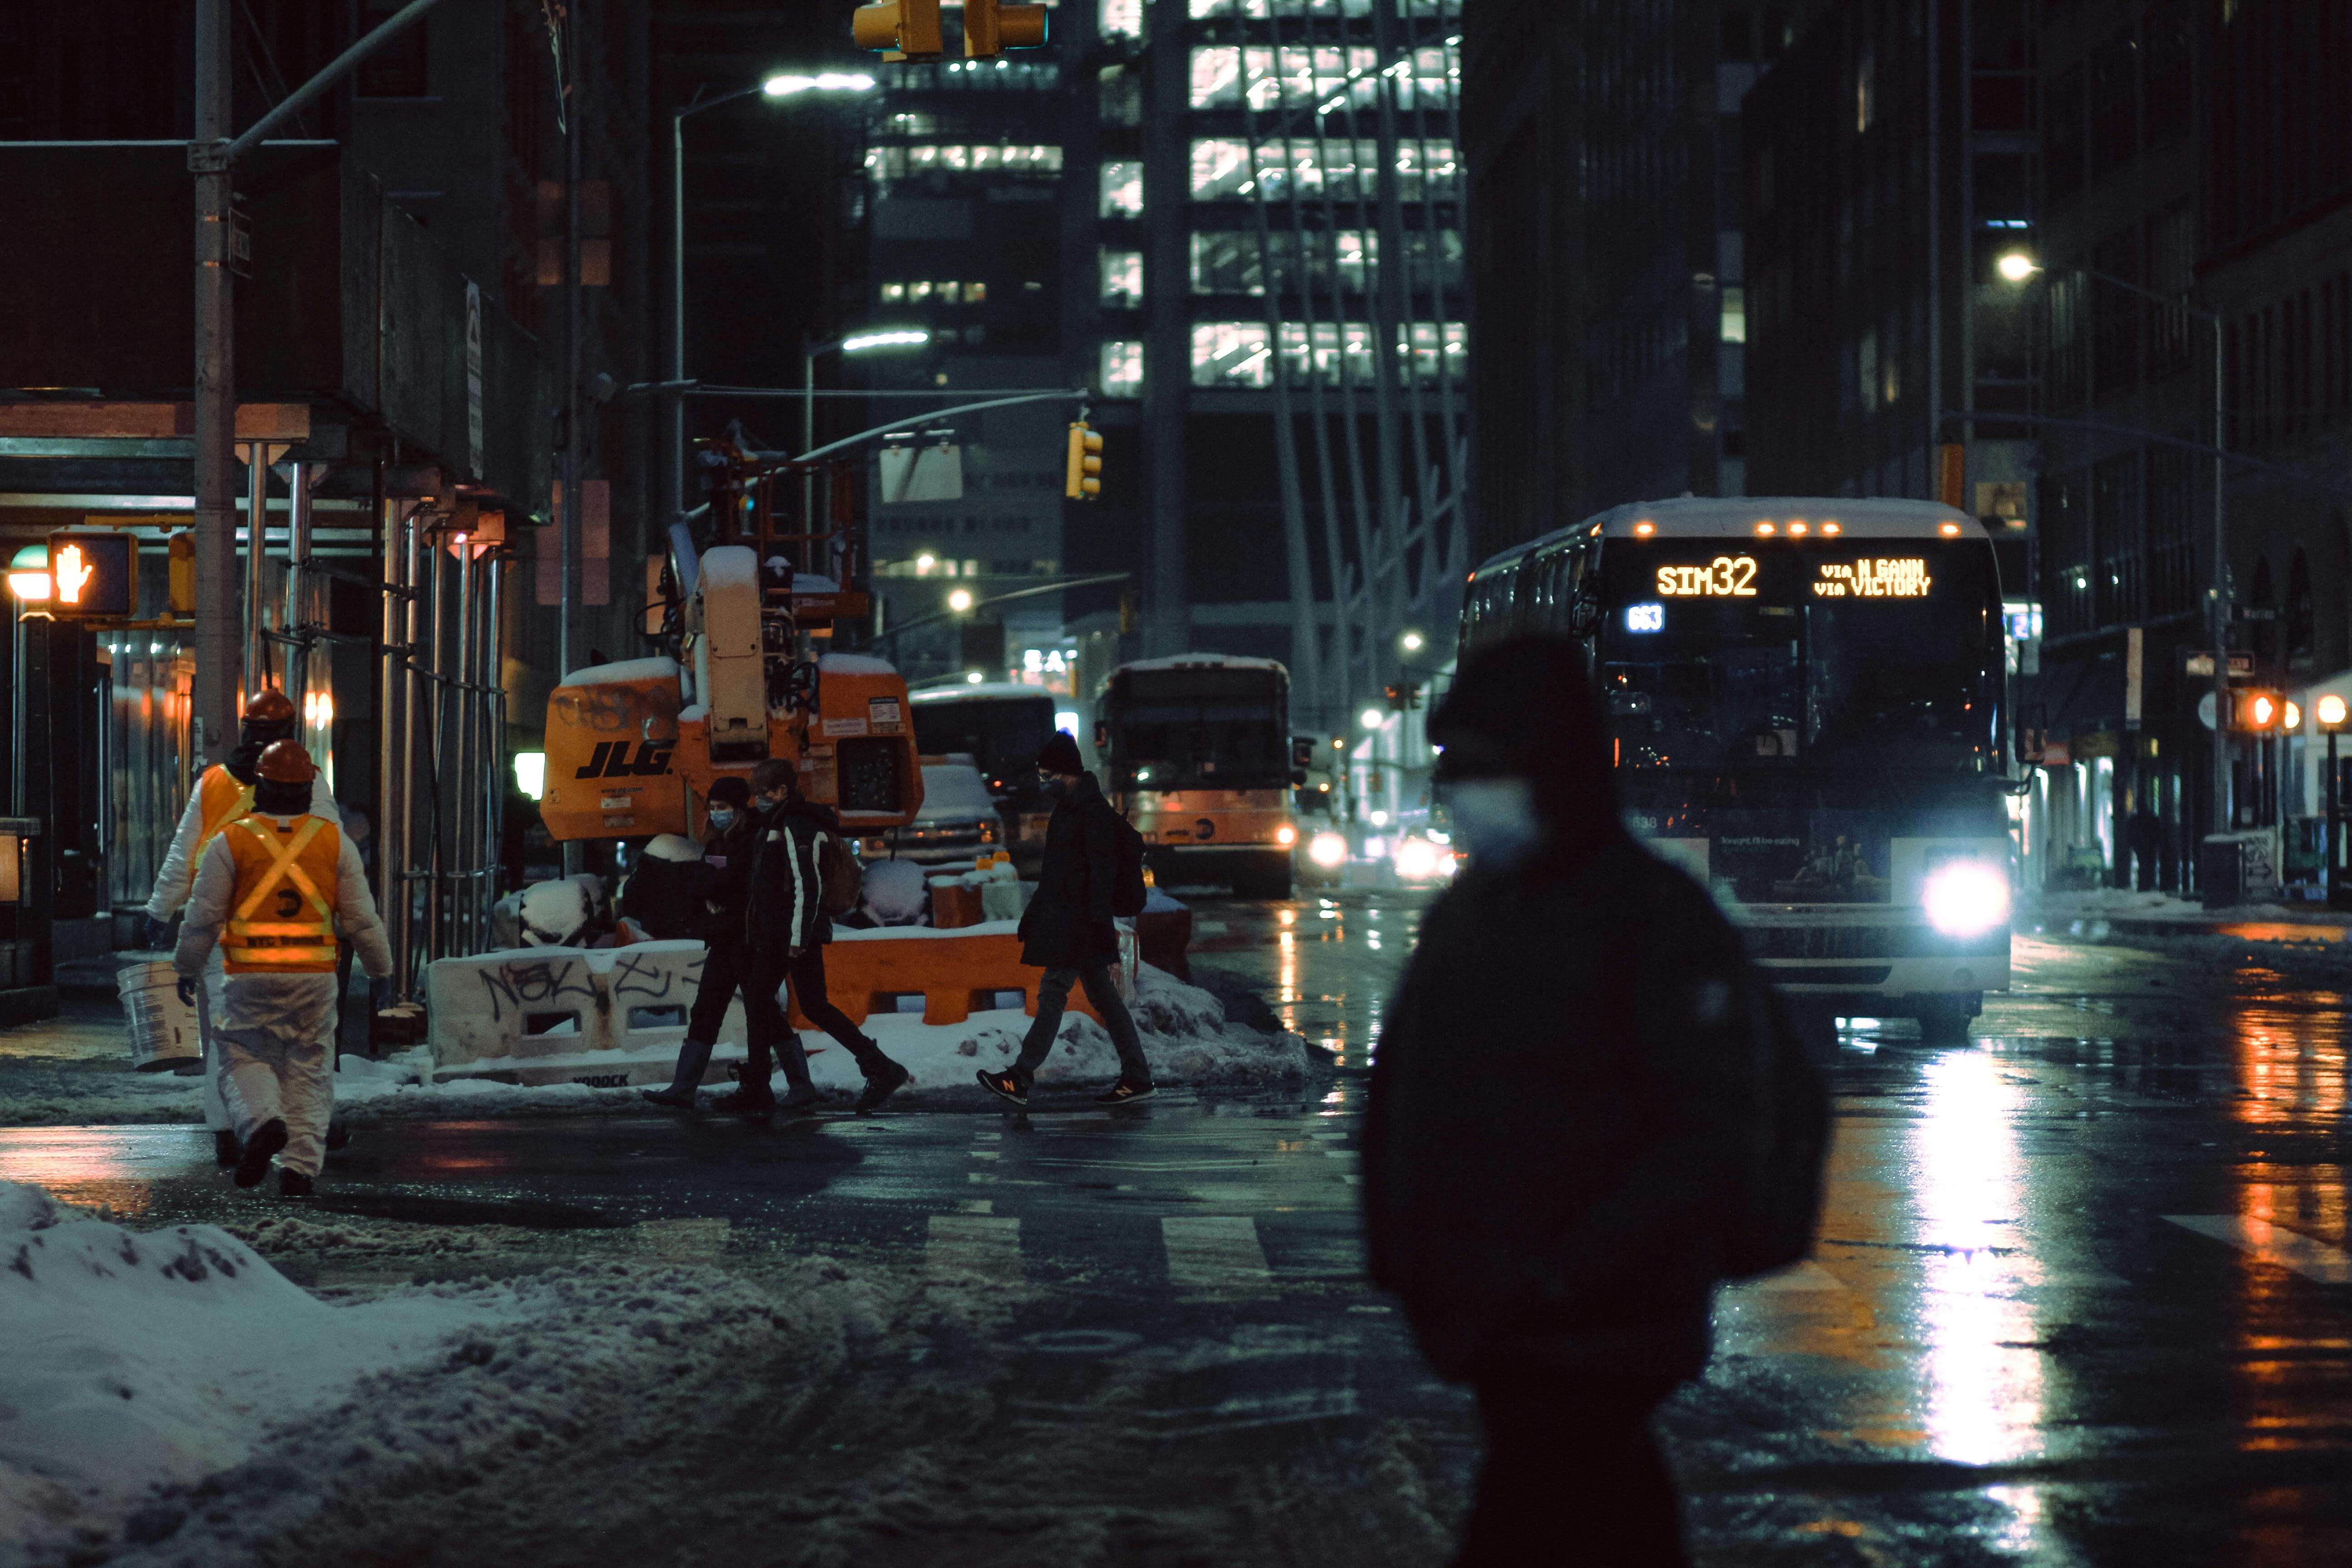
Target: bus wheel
x=1272, y=883
x=1946, y=1023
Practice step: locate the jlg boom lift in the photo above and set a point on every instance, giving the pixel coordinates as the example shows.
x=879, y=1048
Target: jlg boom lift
x=632, y=748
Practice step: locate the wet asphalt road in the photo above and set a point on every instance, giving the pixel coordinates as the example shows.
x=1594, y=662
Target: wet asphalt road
x=2081, y=1296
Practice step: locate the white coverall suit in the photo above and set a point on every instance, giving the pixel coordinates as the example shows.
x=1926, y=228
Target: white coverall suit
x=174, y=883
x=275, y=1030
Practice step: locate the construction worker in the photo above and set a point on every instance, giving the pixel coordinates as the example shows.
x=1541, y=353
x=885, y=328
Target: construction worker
x=223, y=794
x=276, y=888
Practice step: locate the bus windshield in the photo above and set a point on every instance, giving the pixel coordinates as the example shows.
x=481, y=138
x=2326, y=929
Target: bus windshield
x=1206, y=728
x=1002, y=735
x=1873, y=654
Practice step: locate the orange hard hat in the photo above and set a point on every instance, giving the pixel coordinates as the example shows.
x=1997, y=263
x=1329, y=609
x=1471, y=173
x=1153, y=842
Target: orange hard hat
x=285, y=762
x=269, y=706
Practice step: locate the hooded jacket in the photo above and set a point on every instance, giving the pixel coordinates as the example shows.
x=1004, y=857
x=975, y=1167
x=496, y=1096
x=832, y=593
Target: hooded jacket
x=1068, y=923
x=784, y=905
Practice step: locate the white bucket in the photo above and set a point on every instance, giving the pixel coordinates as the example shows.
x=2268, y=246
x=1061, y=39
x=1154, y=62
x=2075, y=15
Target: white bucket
x=162, y=1027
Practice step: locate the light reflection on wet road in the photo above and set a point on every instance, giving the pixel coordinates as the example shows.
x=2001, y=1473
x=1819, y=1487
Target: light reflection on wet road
x=2080, y=1297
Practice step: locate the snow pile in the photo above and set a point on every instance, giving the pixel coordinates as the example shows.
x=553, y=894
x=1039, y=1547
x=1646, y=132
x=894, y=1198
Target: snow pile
x=42, y=1096
x=591, y=1369
x=137, y=1358
x=2078, y=911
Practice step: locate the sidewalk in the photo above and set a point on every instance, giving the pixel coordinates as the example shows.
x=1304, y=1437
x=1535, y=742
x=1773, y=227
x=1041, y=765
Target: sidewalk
x=2095, y=912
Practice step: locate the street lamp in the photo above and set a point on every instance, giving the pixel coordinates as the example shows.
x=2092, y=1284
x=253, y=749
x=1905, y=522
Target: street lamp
x=1411, y=642
x=2017, y=267
x=856, y=343
x=959, y=601
x=2332, y=711
x=775, y=89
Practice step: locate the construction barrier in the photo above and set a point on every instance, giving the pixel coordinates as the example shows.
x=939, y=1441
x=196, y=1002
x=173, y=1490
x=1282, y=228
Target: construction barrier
x=611, y=1016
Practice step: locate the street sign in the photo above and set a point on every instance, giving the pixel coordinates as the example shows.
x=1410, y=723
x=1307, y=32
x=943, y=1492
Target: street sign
x=2198, y=663
x=94, y=576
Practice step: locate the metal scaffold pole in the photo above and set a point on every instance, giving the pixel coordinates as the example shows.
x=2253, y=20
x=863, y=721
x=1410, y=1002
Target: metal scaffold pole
x=215, y=694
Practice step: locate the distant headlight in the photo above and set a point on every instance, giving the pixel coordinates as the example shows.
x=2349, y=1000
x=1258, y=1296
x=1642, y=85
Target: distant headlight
x=1328, y=850
x=1285, y=835
x=1419, y=861
x=1966, y=898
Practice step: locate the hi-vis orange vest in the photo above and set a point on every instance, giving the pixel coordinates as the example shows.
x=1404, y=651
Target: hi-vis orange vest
x=282, y=917
x=221, y=800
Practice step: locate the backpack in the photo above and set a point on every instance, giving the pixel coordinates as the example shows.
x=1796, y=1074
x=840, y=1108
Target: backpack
x=839, y=878
x=1128, y=893
x=1770, y=1224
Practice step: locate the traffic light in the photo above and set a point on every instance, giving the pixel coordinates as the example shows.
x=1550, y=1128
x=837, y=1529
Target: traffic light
x=2255, y=711
x=1082, y=477
x=1403, y=695
x=990, y=25
x=901, y=29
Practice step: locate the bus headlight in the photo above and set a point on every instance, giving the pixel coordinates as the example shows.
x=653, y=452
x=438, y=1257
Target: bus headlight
x=1966, y=898
x=1419, y=861
x=1285, y=835
x=1327, y=849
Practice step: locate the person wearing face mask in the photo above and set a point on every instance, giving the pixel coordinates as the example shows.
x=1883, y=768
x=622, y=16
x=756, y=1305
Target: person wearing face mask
x=1558, y=1118
x=729, y=839
x=1068, y=930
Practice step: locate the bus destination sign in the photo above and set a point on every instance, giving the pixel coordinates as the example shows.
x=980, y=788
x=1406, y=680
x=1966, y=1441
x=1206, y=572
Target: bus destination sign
x=1873, y=578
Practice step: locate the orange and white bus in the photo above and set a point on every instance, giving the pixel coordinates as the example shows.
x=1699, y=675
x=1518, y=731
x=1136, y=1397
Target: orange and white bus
x=1199, y=751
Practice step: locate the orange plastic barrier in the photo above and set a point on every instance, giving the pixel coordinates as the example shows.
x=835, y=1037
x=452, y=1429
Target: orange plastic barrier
x=951, y=973
x=952, y=907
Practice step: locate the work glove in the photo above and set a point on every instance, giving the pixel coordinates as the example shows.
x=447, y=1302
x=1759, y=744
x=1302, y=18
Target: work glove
x=155, y=933
x=188, y=990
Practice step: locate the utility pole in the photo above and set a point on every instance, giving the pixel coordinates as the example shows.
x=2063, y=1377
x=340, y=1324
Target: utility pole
x=2224, y=818
x=568, y=520
x=219, y=609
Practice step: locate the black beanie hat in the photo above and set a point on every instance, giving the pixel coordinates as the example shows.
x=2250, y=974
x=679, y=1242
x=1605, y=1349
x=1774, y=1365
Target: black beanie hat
x=730, y=791
x=1524, y=707
x=1060, y=755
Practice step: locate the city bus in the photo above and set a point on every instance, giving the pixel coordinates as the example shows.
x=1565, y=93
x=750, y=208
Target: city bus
x=1199, y=758
x=1002, y=726
x=1806, y=701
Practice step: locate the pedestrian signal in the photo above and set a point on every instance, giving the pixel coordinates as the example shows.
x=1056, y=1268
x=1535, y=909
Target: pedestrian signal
x=94, y=576
x=1082, y=478
x=990, y=25
x=901, y=29
x=2254, y=711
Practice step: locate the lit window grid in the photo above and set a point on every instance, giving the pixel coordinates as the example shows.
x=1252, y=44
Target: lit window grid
x=897, y=163
x=1122, y=189
x=1120, y=19
x=1330, y=76
x=1230, y=261
x=948, y=294
x=1258, y=10
x=1223, y=169
x=1122, y=368
x=1234, y=353
x=1122, y=277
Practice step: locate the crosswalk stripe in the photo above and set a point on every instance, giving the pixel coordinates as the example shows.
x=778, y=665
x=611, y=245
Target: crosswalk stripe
x=1217, y=1255
x=1803, y=1277
x=986, y=1245
x=2273, y=1244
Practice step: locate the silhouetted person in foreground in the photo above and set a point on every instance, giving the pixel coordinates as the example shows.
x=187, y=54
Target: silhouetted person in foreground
x=1564, y=1113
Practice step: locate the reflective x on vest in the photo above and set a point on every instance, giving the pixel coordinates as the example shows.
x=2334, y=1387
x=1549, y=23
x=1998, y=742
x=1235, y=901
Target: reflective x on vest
x=281, y=921
x=221, y=800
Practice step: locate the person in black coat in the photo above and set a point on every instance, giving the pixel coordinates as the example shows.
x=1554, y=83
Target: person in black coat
x=1066, y=929
x=1551, y=1111
x=730, y=838
x=789, y=927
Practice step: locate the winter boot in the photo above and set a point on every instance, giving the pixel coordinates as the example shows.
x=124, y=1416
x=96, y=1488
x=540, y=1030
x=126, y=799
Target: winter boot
x=339, y=1137
x=225, y=1148
x=693, y=1057
x=293, y=1184
x=801, y=1097
x=752, y=1097
x=259, y=1150
x=882, y=1079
